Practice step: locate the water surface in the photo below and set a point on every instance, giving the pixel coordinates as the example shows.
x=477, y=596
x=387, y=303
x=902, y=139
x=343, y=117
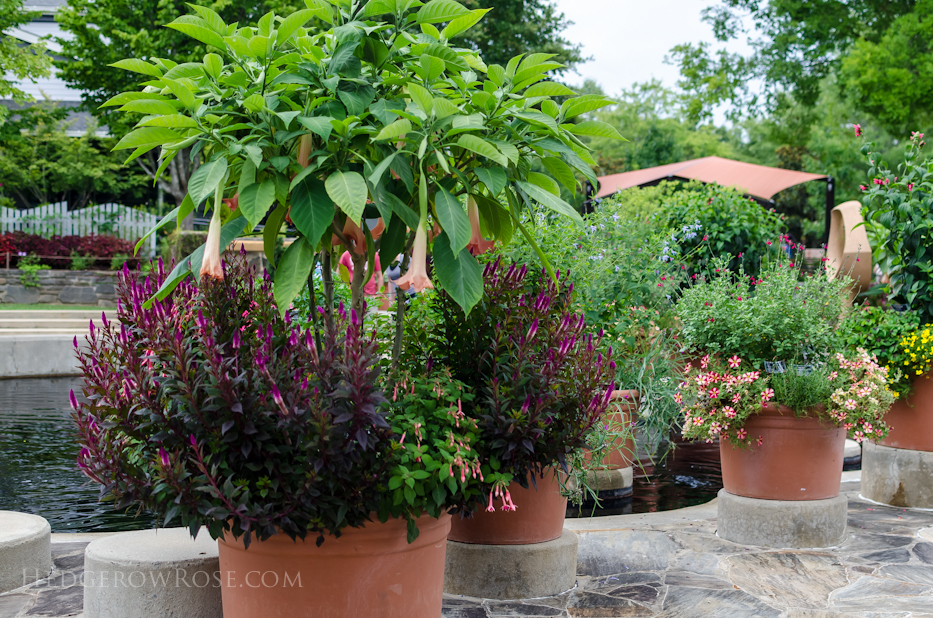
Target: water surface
x=38, y=473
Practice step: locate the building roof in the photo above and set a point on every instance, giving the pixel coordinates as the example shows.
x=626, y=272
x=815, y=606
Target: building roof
x=758, y=181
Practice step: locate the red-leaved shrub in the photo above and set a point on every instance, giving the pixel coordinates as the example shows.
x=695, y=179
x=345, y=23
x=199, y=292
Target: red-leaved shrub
x=18, y=244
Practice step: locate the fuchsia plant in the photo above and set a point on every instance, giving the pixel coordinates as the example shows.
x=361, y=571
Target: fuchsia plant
x=539, y=380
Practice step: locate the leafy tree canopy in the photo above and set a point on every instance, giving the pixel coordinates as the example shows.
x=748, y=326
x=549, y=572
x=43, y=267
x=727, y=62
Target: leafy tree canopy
x=800, y=43
x=18, y=62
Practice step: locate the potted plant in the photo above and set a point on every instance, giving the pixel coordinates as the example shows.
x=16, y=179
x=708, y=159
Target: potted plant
x=284, y=446
x=539, y=383
x=773, y=385
x=900, y=202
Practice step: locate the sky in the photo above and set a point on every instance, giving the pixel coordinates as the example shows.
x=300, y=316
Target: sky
x=628, y=39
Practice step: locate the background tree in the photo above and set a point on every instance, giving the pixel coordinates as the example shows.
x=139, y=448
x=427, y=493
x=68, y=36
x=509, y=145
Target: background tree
x=40, y=163
x=521, y=27
x=106, y=31
x=18, y=61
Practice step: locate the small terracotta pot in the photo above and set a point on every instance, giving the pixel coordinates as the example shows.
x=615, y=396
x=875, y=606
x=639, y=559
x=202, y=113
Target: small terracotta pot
x=911, y=419
x=539, y=517
x=369, y=571
x=622, y=407
x=799, y=458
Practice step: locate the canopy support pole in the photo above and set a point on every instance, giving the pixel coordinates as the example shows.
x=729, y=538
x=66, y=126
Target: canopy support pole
x=830, y=204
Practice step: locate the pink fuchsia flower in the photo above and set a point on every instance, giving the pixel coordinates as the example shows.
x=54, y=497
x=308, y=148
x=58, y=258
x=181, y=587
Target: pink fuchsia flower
x=734, y=362
x=862, y=188
x=910, y=186
x=477, y=244
x=767, y=395
x=417, y=275
x=858, y=130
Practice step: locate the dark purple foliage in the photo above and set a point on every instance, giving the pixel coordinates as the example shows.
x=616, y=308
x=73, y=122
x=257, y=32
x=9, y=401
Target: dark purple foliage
x=100, y=246
x=211, y=407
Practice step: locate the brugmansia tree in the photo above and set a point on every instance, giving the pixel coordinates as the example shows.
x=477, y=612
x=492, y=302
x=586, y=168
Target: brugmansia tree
x=353, y=109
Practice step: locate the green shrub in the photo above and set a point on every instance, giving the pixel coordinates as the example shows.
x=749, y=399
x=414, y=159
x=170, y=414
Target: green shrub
x=80, y=262
x=30, y=267
x=784, y=315
x=731, y=224
x=180, y=244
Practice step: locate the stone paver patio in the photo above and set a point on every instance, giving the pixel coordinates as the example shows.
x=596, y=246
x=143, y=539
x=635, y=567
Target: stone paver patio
x=670, y=565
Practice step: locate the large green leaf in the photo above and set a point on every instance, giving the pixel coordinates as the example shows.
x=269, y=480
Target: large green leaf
x=321, y=125
x=460, y=275
x=545, y=182
x=198, y=32
x=394, y=130
x=422, y=97
x=192, y=263
x=150, y=106
x=551, y=201
x=270, y=232
x=453, y=219
x=349, y=192
x=256, y=199
x=549, y=89
x=463, y=23
x=172, y=121
x=312, y=209
x=593, y=128
x=291, y=23
x=561, y=171
x=147, y=136
x=204, y=180
x=437, y=11
x=392, y=241
x=292, y=272
x=495, y=179
x=402, y=210
x=138, y=66
x=583, y=104
x=482, y=147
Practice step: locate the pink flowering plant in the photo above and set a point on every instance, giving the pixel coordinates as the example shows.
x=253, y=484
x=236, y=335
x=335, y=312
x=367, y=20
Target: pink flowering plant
x=540, y=381
x=849, y=392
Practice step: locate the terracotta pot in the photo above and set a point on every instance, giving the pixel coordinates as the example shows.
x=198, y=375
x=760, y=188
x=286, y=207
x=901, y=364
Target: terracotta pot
x=371, y=571
x=538, y=518
x=799, y=458
x=911, y=419
x=622, y=407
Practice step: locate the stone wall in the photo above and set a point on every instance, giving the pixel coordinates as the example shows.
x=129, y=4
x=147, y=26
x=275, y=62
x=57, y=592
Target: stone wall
x=60, y=287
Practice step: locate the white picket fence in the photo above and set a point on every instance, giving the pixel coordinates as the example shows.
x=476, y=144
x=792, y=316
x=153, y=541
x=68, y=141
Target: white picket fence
x=56, y=220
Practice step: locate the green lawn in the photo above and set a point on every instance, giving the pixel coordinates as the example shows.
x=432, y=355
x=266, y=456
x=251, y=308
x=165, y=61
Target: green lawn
x=16, y=307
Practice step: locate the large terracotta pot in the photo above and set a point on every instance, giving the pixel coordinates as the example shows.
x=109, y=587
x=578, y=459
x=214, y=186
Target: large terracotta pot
x=371, y=571
x=799, y=458
x=538, y=518
x=911, y=419
x=622, y=407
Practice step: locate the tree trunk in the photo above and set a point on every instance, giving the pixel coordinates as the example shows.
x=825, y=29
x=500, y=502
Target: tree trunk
x=174, y=180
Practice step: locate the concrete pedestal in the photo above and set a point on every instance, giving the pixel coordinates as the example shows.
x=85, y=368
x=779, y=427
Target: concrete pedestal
x=781, y=523
x=152, y=573
x=897, y=476
x=25, y=549
x=511, y=571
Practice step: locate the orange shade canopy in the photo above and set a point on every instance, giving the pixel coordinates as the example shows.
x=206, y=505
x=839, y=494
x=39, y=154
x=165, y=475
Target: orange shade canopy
x=756, y=180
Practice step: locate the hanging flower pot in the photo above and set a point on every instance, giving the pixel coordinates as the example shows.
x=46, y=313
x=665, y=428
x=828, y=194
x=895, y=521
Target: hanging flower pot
x=368, y=571
x=791, y=458
x=537, y=518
